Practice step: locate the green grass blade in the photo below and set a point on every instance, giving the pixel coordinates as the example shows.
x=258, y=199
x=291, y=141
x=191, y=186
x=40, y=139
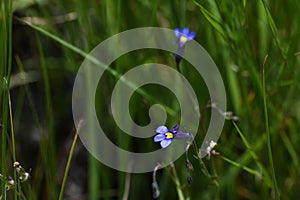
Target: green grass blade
x=275, y=187
x=273, y=29
x=212, y=19
x=3, y=68
x=50, y=159
x=244, y=3
x=245, y=141
x=63, y=185
x=229, y=174
x=235, y=89
x=251, y=151
x=87, y=56
x=289, y=146
x=29, y=94
x=5, y=72
x=13, y=146
x=247, y=169
x=3, y=142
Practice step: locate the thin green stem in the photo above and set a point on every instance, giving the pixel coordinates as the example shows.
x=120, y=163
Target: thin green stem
x=203, y=166
x=12, y=129
x=247, y=169
x=3, y=145
x=274, y=29
x=63, y=185
x=6, y=51
x=4, y=130
x=31, y=103
x=251, y=151
x=13, y=144
x=177, y=183
x=277, y=194
x=50, y=151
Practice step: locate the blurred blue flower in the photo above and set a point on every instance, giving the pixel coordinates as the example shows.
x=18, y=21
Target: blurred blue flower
x=165, y=136
x=184, y=36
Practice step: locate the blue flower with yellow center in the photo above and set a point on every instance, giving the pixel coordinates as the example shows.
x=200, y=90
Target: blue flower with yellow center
x=183, y=36
x=165, y=136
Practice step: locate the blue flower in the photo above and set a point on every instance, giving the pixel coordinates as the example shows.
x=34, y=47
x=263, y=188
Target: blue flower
x=165, y=136
x=184, y=36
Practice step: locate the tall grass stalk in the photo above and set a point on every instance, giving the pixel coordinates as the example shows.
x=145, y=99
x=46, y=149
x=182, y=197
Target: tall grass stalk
x=5, y=71
x=49, y=151
x=251, y=152
x=3, y=145
x=113, y=15
x=173, y=174
x=247, y=169
x=13, y=146
x=63, y=185
x=29, y=94
x=275, y=187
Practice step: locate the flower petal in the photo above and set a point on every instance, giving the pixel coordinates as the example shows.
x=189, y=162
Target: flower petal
x=177, y=32
x=162, y=129
x=186, y=31
x=191, y=36
x=165, y=143
x=159, y=137
x=184, y=136
x=174, y=129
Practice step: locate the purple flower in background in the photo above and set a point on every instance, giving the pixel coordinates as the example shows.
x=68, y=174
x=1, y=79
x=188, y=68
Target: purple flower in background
x=165, y=136
x=184, y=36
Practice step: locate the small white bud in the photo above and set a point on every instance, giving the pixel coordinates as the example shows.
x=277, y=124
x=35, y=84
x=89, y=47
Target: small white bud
x=24, y=177
x=209, y=149
x=11, y=182
x=16, y=164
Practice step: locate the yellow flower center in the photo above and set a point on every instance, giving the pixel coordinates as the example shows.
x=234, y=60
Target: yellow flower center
x=183, y=39
x=169, y=135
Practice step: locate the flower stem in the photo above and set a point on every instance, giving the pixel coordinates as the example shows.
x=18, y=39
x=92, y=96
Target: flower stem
x=68, y=164
x=203, y=166
x=277, y=194
x=177, y=183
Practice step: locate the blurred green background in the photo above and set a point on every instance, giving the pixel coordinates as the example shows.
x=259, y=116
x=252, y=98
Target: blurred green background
x=42, y=44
